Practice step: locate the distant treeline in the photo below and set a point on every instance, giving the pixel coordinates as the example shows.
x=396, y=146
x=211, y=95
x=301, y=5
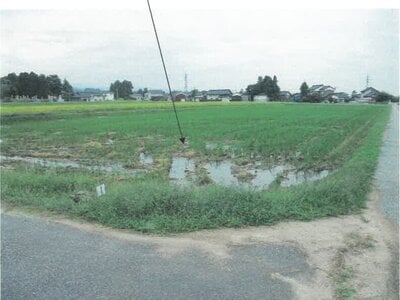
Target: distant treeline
x=33, y=85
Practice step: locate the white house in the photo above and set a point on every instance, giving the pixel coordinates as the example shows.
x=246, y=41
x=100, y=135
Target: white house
x=322, y=90
x=261, y=98
x=155, y=95
x=101, y=97
x=219, y=95
x=368, y=95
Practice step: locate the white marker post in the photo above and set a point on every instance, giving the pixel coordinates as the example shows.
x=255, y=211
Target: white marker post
x=101, y=190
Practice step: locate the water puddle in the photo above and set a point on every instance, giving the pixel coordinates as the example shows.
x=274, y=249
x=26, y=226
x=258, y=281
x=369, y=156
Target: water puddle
x=64, y=163
x=296, y=178
x=145, y=158
x=226, y=173
x=263, y=178
x=181, y=169
x=221, y=173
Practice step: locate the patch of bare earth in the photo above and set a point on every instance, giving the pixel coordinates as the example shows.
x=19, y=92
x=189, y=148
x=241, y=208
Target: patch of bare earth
x=352, y=256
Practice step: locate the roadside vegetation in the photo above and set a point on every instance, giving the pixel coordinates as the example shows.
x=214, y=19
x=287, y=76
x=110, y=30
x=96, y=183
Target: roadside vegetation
x=342, y=138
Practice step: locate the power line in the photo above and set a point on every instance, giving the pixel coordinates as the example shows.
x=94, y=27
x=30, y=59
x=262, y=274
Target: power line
x=182, y=138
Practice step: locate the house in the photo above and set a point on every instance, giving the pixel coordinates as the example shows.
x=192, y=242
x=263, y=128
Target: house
x=93, y=97
x=340, y=97
x=155, y=95
x=261, y=98
x=368, y=95
x=58, y=98
x=101, y=97
x=80, y=96
x=296, y=97
x=108, y=96
x=236, y=97
x=246, y=97
x=285, y=95
x=219, y=95
x=136, y=96
x=199, y=97
x=321, y=90
x=179, y=96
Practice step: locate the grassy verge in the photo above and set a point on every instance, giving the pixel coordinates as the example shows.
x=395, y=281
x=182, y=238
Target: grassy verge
x=150, y=204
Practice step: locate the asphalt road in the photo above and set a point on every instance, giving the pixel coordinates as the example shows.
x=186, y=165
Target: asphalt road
x=387, y=173
x=47, y=260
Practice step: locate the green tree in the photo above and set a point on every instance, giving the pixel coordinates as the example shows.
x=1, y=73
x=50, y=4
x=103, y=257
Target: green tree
x=42, y=87
x=121, y=89
x=313, y=98
x=8, y=88
x=385, y=97
x=55, y=85
x=194, y=93
x=67, y=91
x=304, y=90
x=266, y=85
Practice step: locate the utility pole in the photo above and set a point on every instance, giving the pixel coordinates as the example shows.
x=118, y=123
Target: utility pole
x=367, y=82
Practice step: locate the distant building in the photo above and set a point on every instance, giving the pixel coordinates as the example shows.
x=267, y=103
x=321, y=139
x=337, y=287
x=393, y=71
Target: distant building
x=321, y=90
x=261, y=98
x=340, y=97
x=136, y=96
x=285, y=95
x=236, y=97
x=246, y=97
x=179, y=96
x=93, y=97
x=368, y=95
x=219, y=95
x=155, y=95
x=296, y=97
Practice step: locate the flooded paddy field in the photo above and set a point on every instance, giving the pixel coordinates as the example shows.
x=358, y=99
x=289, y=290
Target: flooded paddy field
x=243, y=164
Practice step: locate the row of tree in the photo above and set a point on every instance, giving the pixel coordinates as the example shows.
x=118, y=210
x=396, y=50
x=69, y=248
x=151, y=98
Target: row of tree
x=266, y=85
x=33, y=85
x=121, y=89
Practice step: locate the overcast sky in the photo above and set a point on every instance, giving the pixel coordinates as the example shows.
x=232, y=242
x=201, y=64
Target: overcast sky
x=216, y=48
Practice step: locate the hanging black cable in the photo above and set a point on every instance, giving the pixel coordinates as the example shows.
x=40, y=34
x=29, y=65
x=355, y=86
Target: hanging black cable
x=182, y=138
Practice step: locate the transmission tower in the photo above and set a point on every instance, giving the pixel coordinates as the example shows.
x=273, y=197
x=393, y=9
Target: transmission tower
x=186, y=83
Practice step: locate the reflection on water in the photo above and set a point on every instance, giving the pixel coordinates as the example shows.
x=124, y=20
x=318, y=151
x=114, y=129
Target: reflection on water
x=296, y=178
x=65, y=163
x=183, y=169
x=145, y=158
x=180, y=169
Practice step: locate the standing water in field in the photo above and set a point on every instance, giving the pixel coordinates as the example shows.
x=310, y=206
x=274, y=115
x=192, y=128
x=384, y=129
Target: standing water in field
x=183, y=169
x=221, y=173
x=146, y=159
x=296, y=178
x=225, y=173
x=263, y=178
x=65, y=163
x=180, y=169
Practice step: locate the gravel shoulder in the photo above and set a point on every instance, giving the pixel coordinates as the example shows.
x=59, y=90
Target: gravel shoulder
x=387, y=173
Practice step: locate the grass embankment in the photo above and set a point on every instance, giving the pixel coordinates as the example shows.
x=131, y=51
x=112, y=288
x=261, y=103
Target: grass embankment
x=344, y=137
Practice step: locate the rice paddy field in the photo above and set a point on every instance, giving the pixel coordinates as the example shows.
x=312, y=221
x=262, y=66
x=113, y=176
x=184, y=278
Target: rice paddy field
x=243, y=163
